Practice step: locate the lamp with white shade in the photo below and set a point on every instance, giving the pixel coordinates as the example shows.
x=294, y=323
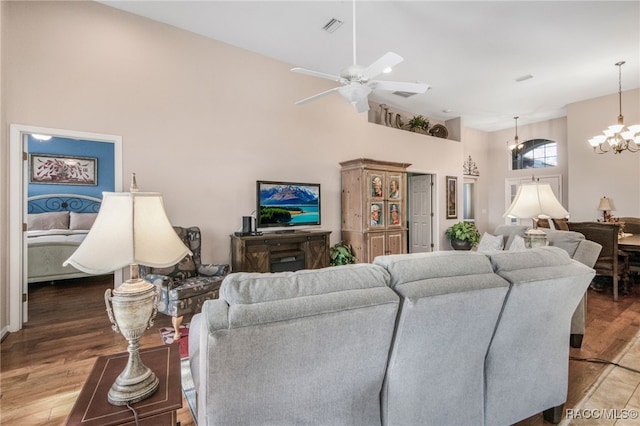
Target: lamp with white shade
x=535, y=200
x=605, y=206
x=131, y=228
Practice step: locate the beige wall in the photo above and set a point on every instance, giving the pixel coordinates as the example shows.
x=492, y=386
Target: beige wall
x=499, y=170
x=592, y=176
x=4, y=149
x=201, y=121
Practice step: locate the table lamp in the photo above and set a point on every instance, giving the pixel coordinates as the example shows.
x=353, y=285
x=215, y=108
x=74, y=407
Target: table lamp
x=131, y=228
x=604, y=207
x=532, y=201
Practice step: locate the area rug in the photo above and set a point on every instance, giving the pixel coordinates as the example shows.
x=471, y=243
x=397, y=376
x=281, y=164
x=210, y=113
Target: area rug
x=167, y=334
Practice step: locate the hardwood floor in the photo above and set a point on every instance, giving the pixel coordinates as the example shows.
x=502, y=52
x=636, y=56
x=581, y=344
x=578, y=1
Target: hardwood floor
x=44, y=366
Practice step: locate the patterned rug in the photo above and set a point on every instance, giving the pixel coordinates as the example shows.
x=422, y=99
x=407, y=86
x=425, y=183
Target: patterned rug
x=167, y=334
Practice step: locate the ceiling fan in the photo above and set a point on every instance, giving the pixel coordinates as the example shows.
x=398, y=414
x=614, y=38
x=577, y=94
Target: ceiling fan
x=357, y=81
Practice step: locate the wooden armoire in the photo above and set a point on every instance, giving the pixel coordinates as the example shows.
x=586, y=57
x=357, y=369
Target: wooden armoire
x=374, y=207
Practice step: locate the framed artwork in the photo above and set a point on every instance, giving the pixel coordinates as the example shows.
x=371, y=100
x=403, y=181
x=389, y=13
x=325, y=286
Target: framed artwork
x=394, y=187
x=377, y=215
x=394, y=214
x=452, y=205
x=377, y=184
x=62, y=169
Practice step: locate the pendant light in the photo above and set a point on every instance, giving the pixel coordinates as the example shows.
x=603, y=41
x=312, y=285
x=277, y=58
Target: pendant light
x=616, y=137
x=516, y=142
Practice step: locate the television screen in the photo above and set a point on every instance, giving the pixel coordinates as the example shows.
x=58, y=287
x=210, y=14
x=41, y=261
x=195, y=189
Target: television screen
x=284, y=204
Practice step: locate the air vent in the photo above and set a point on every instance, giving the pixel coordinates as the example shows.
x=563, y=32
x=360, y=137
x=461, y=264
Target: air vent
x=524, y=77
x=332, y=25
x=404, y=94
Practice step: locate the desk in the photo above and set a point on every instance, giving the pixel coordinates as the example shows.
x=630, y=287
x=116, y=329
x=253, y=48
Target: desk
x=92, y=407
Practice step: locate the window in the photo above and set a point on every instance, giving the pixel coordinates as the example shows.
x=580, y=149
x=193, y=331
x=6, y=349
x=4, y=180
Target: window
x=534, y=154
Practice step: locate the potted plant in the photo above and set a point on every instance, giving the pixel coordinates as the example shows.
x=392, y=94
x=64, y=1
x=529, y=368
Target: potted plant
x=418, y=124
x=341, y=254
x=463, y=236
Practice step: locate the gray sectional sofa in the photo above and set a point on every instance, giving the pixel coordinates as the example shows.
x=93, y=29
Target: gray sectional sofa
x=445, y=338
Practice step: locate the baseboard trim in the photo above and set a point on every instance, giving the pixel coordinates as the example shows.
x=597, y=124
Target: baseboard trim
x=3, y=333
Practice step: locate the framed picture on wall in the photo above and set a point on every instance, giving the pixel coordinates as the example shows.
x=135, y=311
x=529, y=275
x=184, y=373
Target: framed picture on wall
x=62, y=169
x=452, y=205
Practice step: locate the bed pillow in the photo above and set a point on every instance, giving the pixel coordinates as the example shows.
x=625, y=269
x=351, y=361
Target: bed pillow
x=81, y=221
x=45, y=221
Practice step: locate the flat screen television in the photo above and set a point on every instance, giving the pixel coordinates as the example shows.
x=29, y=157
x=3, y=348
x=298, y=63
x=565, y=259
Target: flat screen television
x=287, y=205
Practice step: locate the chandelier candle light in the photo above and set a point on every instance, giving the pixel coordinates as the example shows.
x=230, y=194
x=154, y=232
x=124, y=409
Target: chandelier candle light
x=131, y=228
x=532, y=201
x=617, y=137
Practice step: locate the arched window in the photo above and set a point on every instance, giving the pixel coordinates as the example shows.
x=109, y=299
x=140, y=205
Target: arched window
x=534, y=154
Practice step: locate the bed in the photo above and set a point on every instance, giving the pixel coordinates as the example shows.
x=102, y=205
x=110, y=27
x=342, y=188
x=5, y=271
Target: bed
x=56, y=225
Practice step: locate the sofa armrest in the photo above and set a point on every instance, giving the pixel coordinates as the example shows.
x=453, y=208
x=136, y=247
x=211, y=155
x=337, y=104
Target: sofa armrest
x=213, y=270
x=162, y=281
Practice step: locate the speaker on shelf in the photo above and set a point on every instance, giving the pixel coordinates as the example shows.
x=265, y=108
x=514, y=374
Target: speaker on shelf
x=247, y=224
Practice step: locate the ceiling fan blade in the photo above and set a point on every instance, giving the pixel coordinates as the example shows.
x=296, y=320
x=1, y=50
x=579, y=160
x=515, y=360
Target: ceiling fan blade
x=315, y=74
x=399, y=86
x=388, y=60
x=316, y=96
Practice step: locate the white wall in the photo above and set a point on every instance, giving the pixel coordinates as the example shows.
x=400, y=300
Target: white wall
x=592, y=176
x=4, y=149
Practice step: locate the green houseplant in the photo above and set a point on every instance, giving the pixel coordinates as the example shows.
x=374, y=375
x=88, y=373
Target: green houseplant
x=463, y=236
x=418, y=124
x=341, y=254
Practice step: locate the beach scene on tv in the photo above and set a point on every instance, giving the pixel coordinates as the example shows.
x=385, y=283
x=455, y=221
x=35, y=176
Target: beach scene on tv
x=287, y=205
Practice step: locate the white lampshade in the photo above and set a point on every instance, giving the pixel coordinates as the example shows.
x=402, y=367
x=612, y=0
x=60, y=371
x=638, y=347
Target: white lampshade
x=535, y=200
x=131, y=228
x=604, y=205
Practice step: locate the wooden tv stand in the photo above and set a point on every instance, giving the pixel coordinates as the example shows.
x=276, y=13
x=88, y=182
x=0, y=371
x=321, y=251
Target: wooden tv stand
x=277, y=252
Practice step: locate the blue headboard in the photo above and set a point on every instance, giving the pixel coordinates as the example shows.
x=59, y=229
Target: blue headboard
x=63, y=202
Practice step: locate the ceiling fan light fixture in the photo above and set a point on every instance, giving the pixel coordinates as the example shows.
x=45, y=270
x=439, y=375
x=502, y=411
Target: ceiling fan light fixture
x=354, y=93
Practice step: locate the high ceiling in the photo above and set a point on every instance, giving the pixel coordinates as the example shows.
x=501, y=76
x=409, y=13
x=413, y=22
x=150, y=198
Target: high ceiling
x=471, y=53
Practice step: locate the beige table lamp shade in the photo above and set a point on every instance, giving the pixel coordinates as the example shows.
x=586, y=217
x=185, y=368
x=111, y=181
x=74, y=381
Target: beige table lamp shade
x=131, y=228
x=535, y=200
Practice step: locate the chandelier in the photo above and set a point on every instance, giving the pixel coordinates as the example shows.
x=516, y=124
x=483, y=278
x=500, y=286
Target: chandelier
x=516, y=142
x=617, y=137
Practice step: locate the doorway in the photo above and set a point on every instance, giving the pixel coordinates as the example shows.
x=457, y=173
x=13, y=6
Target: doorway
x=18, y=182
x=421, y=212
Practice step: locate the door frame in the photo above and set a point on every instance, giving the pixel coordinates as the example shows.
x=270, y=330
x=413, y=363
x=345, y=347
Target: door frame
x=18, y=168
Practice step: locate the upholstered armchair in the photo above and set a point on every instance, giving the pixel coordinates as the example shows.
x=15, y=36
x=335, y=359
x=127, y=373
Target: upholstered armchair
x=185, y=286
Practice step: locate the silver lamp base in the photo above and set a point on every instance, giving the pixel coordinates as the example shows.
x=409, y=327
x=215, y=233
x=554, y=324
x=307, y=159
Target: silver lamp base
x=132, y=309
x=535, y=238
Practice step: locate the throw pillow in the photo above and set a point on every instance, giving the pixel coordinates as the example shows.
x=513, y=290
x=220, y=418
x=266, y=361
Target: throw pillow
x=81, y=221
x=46, y=221
x=490, y=242
x=517, y=243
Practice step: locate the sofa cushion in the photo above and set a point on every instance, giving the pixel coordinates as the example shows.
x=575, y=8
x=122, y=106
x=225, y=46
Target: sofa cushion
x=509, y=232
x=517, y=243
x=541, y=257
x=567, y=240
x=490, y=242
x=46, y=221
x=249, y=288
x=406, y=268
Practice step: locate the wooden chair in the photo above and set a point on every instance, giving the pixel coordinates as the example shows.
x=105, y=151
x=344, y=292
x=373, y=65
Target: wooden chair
x=611, y=262
x=631, y=225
